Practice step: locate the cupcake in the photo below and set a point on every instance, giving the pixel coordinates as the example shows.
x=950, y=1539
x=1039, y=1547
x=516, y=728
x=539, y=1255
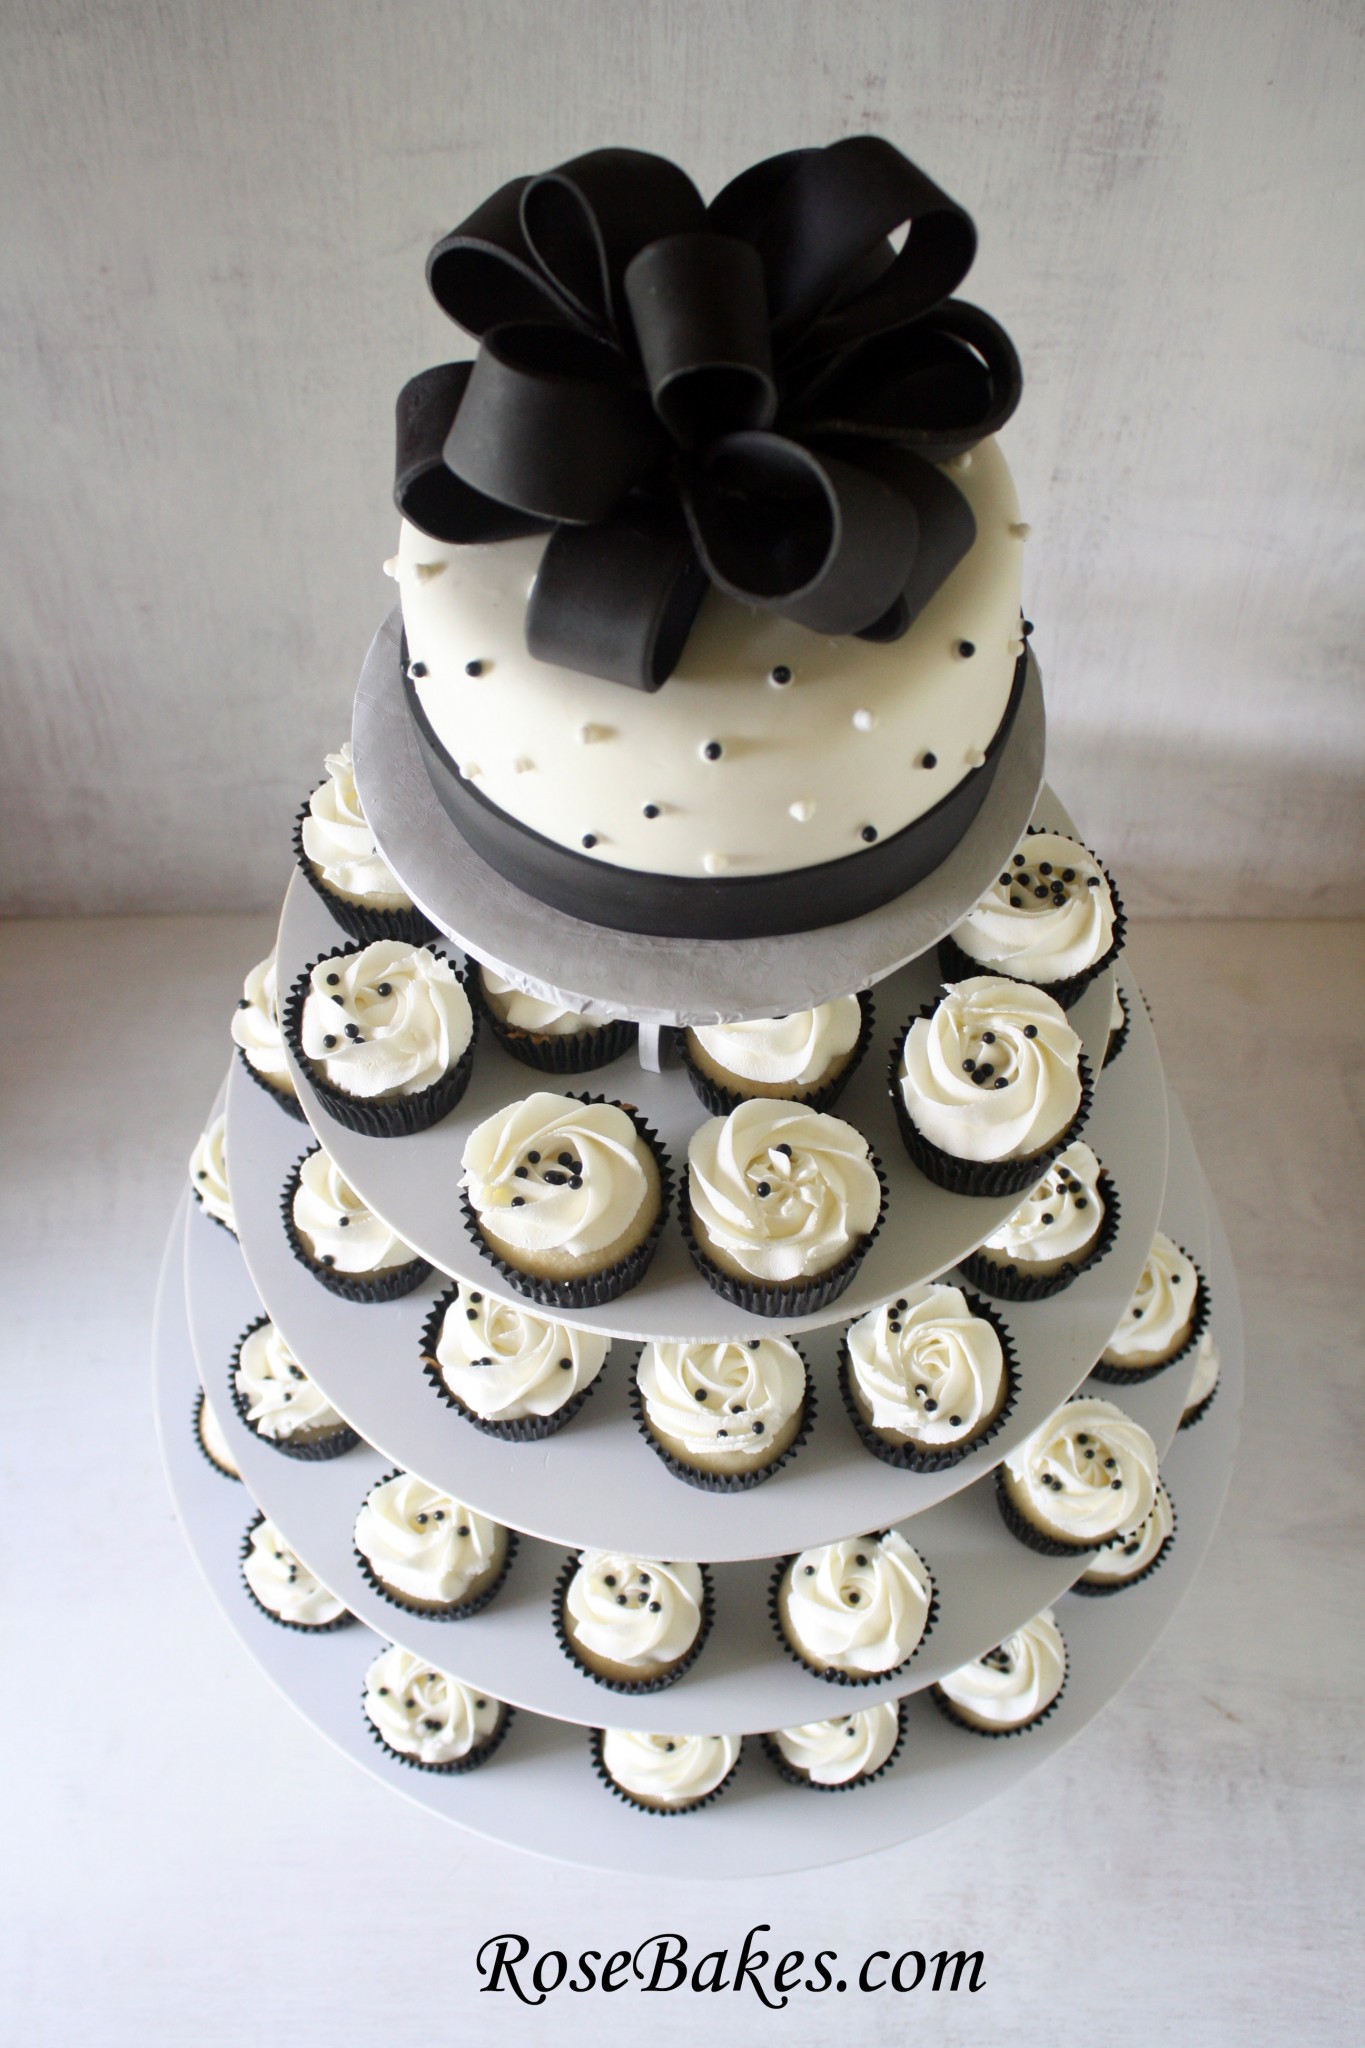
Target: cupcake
x=208, y=1434
x=335, y=849
x=510, y=1372
x=427, y=1552
x=989, y=1086
x=782, y=1205
x=547, y=1035
x=1051, y=917
x=632, y=1623
x=1118, y=1027
x=567, y=1195
x=856, y=1610
x=283, y=1587
x=428, y=1718
x=208, y=1174
x=850, y=1749
x=1011, y=1687
x=256, y=1034
x=385, y=1035
x=1063, y=1226
x=1203, y=1382
x=1085, y=1475
x=275, y=1397
x=806, y=1057
x=1163, y=1320
x=927, y=1376
x=664, y=1773
x=724, y=1416
x=1137, y=1552
x=340, y=1240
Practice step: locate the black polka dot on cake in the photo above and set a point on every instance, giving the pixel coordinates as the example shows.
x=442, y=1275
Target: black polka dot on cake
x=713, y=750
x=590, y=839
x=966, y=648
x=869, y=833
x=417, y=669
x=780, y=675
x=928, y=760
x=651, y=810
x=473, y=668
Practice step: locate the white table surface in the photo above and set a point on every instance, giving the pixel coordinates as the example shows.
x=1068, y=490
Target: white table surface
x=190, y=1864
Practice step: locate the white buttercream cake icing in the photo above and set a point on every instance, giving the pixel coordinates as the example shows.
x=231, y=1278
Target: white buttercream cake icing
x=1057, y=1222
x=925, y=1368
x=276, y=1395
x=669, y=1771
x=282, y=1582
x=994, y=1073
x=426, y=1547
x=1013, y=1684
x=841, y=1750
x=779, y=1055
x=1085, y=1475
x=338, y=841
x=727, y=1407
x=505, y=1363
x=780, y=1193
x=632, y=1617
x=256, y=1026
x=1137, y=1550
x=859, y=1606
x=1159, y=1317
x=1048, y=915
x=208, y=1173
x=389, y=1019
x=426, y=1714
x=338, y=1229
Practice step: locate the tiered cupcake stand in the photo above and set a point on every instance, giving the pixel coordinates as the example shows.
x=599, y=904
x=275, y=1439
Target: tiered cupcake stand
x=597, y=1483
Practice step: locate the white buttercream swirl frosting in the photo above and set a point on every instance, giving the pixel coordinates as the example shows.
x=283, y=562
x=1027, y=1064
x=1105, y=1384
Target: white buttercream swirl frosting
x=784, y=1191
x=1047, y=916
x=280, y=1399
x=212, y=1437
x=926, y=1365
x=337, y=1228
x=1204, y=1378
x=504, y=1362
x=338, y=841
x=256, y=1026
x=1137, y=1548
x=668, y=1770
x=530, y=1013
x=208, y=1173
x=849, y=1746
x=549, y=1174
x=423, y=1543
x=860, y=1605
x=634, y=1611
x=390, y=1019
x=1058, y=1219
x=1016, y=1681
x=1088, y=1471
x=283, y=1583
x=425, y=1713
x=1157, y=1319
x=733, y=1397
x=791, y=1051
x=994, y=1073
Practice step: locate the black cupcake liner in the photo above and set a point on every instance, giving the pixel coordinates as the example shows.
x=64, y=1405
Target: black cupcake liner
x=290, y=1103
x=458, y=1610
x=197, y=1421
x=334, y=1444
x=1192, y=1417
x=458, y=1765
x=1101, y=1589
x=1037, y=1539
x=727, y=1482
x=588, y=1290
x=303, y=1628
x=793, y=1298
x=959, y=966
x=203, y=1205
x=576, y=1052
x=1117, y=1039
x=389, y=1285
x=949, y=1711
x=975, y=1176
x=664, y=1679
x=389, y=1116
x=808, y=1784
x=1007, y=1283
x=851, y=1679
x=523, y=1429
x=935, y=1457
x=720, y=1100
x=1131, y=1375
x=355, y=919
x=595, y=1736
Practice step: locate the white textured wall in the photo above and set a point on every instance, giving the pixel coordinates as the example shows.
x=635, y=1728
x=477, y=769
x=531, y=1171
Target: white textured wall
x=216, y=217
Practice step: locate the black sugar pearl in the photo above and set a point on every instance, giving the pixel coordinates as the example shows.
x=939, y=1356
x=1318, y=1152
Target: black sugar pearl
x=422, y=1519
x=651, y=810
x=1041, y=889
x=781, y=674
x=786, y=1150
x=931, y=1407
x=330, y=1039
x=921, y=1390
x=670, y=1745
x=713, y=750
x=353, y=1031
x=1068, y=874
x=333, y=980
x=1048, y=1216
x=566, y=1365
x=1109, y=1464
x=854, y=1598
x=955, y=1422
x=810, y=1571
x=534, y=1158
x=1016, y=902
x=901, y=1305
x=473, y=668
x=1030, y=1031
x=1092, y=882
x=1082, y=1438
x=576, y=1180
x=327, y=1259
x=763, y=1188
x=1082, y=1202
x=463, y=1529
x=610, y=1579
x=1045, y=867
x=869, y=833
x=343, y=1222
x=1018, y=860
x=440, y=1515
x=429, y=1722
x=384, y=989
x=654, y=1606
x=472, y=1315
x=966, y=648
x=474, y=1295
x=984, y=1071
x=1004, y=881
x=383, y=1692
x=988, y=1038
x=752, y=1343
x=620, y=1599
x=523, y=1172
x=861, y=1558
x=1001, y=1082
x=518, y=1201
x=700, y=1394
x=590, y=839
x=553, y=1179
x=736, y=1407
x=1090, y=1454
x=242, y=1003
x=758, y=1429
x=1116, y=1486
x=417, y=669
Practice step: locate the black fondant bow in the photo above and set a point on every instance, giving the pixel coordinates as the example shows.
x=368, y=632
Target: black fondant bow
x=753, y=394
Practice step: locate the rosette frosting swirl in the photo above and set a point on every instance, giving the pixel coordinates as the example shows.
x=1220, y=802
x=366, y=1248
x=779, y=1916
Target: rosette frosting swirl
x=280, y=1399
x=551, y=1174
x=255, y=1025
x=791, y=1051
x=1049, y=915
x=668, y=1770
x=733, y=1397
x=783, y=1191
x=338, y=841
x=423, y=1543
x=208, y=1173
x=390, y=1019
x=337, y=1228
x=529, y=1013
x=1014, y=1682
x=1137, y=1548
x=1204, y=1378
x=1059, y=1218
x=994, y=1072
x=283, y=1583
x=859, y=1606
x=634, y=1611
x=425, y=1713
x=1158, y=1317
x=926, y=1365
x=849, y=1746
x=1089, y=1471
x=504, y=1362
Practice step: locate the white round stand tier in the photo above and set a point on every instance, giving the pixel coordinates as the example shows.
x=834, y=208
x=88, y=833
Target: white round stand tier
x=987, y=1582
x=539, y=1793
x=665, y=981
